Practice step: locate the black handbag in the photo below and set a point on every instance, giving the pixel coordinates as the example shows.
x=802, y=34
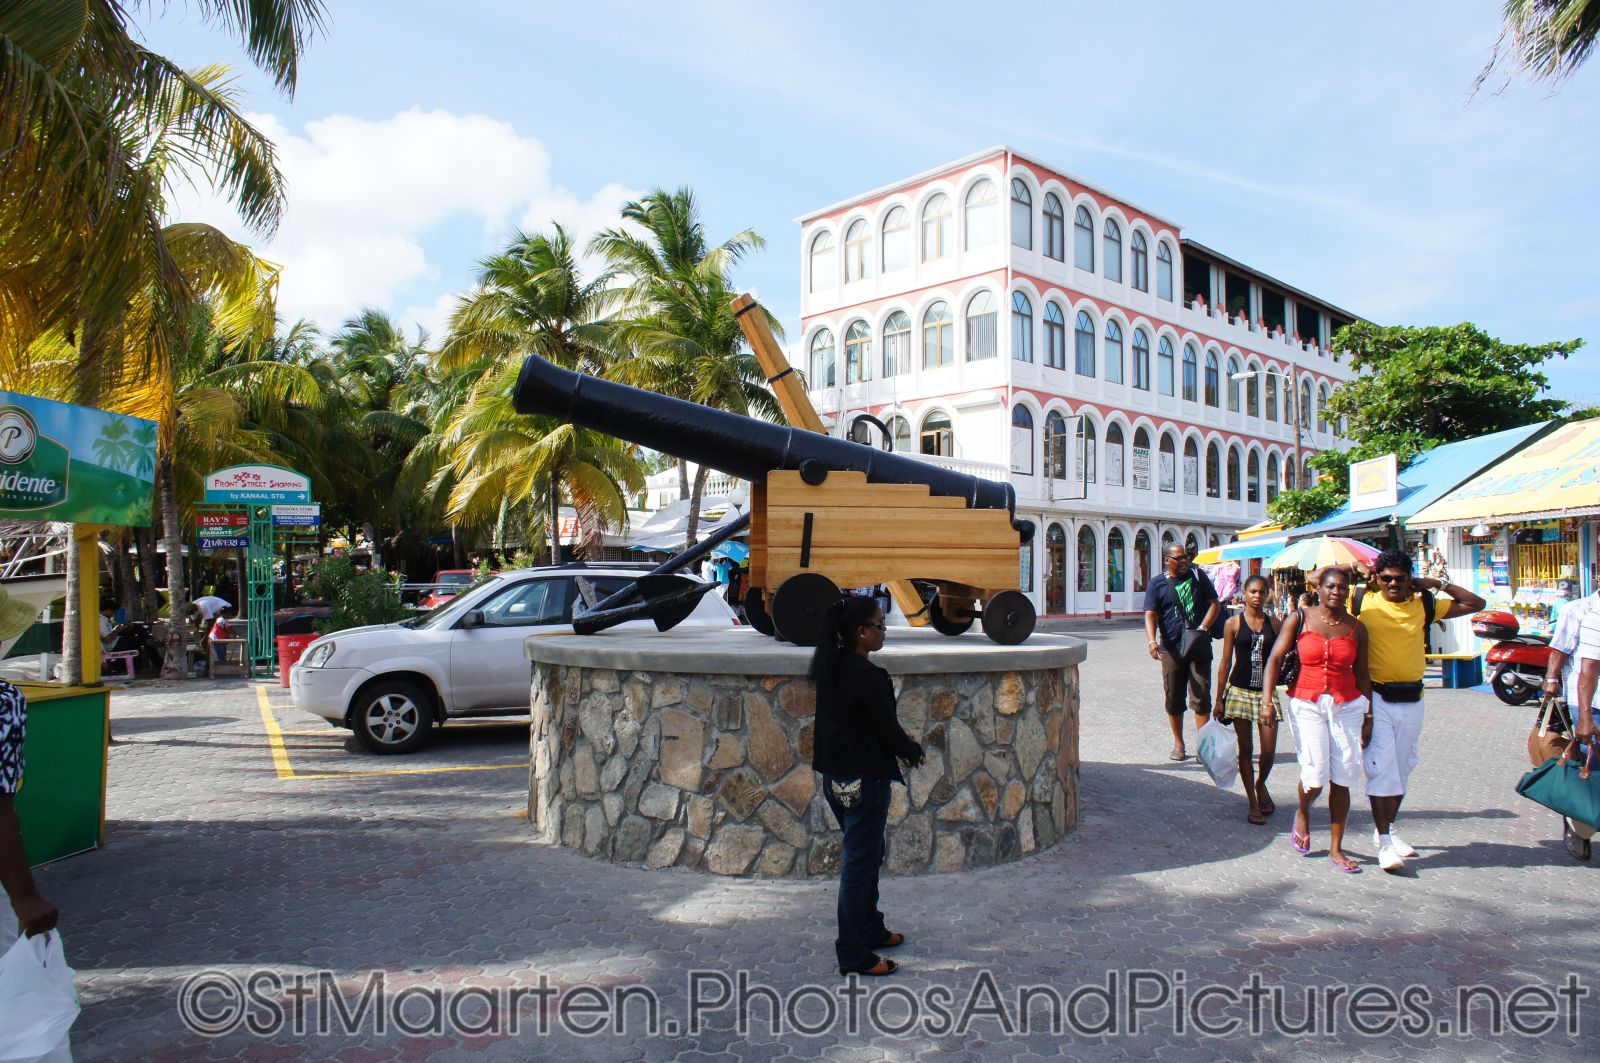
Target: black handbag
x=1193, y=639
x=1289, y=668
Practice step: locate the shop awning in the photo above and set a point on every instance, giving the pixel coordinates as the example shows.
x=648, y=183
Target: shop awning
x=1237, y=551
x=1557, y=475
x=1428, y=479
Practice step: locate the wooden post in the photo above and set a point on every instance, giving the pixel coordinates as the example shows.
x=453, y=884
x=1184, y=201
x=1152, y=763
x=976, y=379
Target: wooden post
x=796, y=404
x=86, y=543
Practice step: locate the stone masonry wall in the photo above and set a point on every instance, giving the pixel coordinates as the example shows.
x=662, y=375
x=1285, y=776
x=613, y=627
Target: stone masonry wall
x=714, y=771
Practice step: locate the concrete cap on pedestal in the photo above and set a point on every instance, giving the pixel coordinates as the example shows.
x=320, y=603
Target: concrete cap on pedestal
x=745, y=651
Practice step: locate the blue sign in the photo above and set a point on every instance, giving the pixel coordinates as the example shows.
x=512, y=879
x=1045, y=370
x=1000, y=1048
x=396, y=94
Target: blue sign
x=224, y=542
x=259, y=484
x=297, y=516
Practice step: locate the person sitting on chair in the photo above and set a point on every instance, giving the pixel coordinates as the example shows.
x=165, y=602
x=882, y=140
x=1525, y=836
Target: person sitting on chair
x=221, y=629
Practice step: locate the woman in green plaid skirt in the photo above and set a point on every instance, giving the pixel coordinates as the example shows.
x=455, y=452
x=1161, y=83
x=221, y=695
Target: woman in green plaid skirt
x=1247, y=641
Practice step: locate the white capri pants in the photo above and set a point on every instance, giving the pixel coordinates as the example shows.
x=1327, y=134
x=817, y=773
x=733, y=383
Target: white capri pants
x=1395, y=747
x=1327, y=740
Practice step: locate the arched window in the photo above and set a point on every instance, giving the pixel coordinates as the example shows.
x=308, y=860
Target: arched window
x=1290, y=474
x=1083, y=239
x=983, y=215
x=1085, y=459
x=1086, y=559
x=1233, y=384
x=1021, y=440
x=1141, y=561
x=857, y=352
x=1272, y=477
x=1114, y=455
x=1169, y=462
x=1055, y=444
x=822, y=262
x=1169, y=539
x=938, y=241
x=1021, y=327
x=1213, y=399
x=1055, y=223
x=1191, y=543
x=938, y=336
x=1113, y=351
x=1055, y=337
x=1191, y=467
x=1055, y=577
x=897, y=344
x=1112, y=250
x=1021, y=214
x=1213, y=471
x=1164, y=366
x=1191, y=373
x=1322, y=407
x=1252, y=478
x=900, y=432
x=857, y=251
x=1233, y=473
x=1305, y=405
x=1141, y=360
x=1139, y=253
x=1308, y=475
x=896, y=239
x=1141, y=460
x=937, y=437
x=1116, y=560
x=983, y=326
x=821, y=360
x=1083, y=344
x=1272, y=395
x=1163, y=271
x=1252, y=392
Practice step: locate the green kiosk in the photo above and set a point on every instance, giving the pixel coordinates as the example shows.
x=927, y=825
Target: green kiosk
x=93, y=470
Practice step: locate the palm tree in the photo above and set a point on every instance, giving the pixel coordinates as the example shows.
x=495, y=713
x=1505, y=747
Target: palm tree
x=1547, y=40
x=674, y=315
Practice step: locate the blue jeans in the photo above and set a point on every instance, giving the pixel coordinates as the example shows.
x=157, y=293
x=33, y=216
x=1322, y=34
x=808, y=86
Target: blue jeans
x=862, y=808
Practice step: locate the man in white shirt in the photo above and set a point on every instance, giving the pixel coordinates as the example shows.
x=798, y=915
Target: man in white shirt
x=1574, y=665
x=208, y=606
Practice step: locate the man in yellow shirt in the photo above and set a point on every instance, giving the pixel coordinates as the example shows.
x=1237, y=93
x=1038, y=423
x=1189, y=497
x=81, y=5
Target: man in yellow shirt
x=1396, y=658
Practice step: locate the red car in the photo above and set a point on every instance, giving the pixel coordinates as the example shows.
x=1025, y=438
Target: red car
x=450, y=582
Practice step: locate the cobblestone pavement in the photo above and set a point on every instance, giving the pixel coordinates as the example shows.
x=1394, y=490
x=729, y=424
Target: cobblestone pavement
x=217, y=861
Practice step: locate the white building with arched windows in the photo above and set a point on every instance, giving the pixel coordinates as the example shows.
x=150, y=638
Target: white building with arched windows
x=1005, y=318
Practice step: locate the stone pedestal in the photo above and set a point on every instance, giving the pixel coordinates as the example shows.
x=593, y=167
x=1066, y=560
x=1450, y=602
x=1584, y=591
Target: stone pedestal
x=693, y=748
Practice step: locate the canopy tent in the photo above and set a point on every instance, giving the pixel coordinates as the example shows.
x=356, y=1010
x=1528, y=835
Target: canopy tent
x=1427, y=479
x=666, y=528
x=1555, y=476
x=1257, y=536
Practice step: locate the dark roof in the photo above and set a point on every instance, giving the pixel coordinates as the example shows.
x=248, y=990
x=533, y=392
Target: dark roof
x=1209, y=252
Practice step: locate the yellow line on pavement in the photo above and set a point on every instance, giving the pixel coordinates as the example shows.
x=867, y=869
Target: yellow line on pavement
x=280, y=755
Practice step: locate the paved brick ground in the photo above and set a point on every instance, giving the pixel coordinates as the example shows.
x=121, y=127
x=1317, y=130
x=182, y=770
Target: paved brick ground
x=215, y=861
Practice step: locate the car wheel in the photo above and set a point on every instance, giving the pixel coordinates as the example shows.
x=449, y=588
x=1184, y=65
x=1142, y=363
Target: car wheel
x=392, y=717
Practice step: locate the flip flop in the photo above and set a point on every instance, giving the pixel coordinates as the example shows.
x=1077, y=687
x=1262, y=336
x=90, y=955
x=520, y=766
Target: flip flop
x=1300, y=843
x=1266, y=803
x=1353, y=869
x=1256, y=818
x=1178, y=754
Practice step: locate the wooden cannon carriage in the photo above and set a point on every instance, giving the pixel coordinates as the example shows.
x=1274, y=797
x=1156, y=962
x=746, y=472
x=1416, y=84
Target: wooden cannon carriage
x=824, y=513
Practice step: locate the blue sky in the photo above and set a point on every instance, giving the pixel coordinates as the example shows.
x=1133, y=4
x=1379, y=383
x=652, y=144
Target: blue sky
x=1335, y=146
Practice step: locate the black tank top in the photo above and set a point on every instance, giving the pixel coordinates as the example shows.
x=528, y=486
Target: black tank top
x=1250, y=657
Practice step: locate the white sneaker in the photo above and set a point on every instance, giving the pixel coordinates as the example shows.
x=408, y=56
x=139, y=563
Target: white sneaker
x=1398, y=843
x=1389, y=859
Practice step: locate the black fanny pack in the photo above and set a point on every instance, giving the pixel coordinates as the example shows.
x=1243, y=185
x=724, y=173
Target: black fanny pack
x=1400, y=693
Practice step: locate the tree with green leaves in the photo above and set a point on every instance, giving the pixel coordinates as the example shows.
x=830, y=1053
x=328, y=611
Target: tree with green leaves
x=1417, y=387
x=1544, y=40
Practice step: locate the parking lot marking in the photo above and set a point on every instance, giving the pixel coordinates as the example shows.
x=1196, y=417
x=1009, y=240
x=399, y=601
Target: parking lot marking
x=280, y=755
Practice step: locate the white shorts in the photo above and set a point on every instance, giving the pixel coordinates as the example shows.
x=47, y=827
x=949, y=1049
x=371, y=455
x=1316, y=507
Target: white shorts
x=1395, y=747
x=1327, y=740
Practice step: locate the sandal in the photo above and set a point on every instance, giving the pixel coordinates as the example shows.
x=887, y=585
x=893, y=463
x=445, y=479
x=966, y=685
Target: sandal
x=1178, y=754
x=1301, y=843
x=1267, y=807
x=1348, y=868
x=1256, y=818
x=894, y=940
x=875, y=967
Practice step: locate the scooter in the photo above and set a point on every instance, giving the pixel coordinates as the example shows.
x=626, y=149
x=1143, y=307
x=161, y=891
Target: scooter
x=1517, y=662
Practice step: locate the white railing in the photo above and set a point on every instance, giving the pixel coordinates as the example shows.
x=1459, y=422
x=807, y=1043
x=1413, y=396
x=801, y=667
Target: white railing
x=984, y=469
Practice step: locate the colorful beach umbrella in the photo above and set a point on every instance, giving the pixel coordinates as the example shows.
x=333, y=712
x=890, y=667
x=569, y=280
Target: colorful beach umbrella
x=1324, y=550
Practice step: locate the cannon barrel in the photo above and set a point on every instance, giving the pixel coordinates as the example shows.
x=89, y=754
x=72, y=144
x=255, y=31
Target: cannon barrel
x=732, y=443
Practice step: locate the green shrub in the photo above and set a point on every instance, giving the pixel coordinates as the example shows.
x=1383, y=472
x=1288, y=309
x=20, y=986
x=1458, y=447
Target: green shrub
x=358, y=598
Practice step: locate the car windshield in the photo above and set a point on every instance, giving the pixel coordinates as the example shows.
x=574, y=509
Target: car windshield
x=455, y=579
x=439, y=615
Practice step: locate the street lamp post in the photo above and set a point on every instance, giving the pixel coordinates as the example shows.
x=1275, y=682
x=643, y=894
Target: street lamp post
x=1294, y=414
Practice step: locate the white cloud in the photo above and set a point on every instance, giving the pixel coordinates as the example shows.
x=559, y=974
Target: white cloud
x=367, y=199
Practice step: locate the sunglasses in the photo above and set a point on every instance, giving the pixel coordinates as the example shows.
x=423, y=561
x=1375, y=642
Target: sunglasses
x=1394, y=579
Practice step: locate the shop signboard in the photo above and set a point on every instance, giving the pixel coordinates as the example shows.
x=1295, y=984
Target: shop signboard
x=223, y=542
x=219, y=523
x=308, y=516
x=257, y=484
x=1375, y=483
x=73, y=463
x=1141, y=468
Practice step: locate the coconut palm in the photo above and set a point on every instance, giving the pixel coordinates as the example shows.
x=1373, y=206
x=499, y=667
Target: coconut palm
x=674, y=314
x=1546, y=40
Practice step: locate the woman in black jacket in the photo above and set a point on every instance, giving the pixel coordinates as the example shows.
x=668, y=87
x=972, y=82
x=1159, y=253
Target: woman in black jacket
x=858, y=741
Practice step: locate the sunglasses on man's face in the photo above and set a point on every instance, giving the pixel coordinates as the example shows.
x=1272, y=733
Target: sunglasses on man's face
x=1394, y=579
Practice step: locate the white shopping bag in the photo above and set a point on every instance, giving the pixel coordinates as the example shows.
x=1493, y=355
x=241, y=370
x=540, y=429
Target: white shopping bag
x=37, y=1002
x=1218, y=750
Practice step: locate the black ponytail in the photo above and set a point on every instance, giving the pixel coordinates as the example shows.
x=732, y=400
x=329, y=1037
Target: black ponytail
x=844, y=619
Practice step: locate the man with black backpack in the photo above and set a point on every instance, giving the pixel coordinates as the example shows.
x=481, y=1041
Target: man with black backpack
x=1181, y=611
x=1397, y=622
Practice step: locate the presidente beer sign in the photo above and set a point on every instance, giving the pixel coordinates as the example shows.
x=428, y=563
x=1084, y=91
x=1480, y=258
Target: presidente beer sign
x=73, y=463
x=263, y=484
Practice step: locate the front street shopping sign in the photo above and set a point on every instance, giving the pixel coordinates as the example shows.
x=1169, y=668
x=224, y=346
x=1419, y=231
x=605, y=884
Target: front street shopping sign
x=74, y=463
x=258, y=484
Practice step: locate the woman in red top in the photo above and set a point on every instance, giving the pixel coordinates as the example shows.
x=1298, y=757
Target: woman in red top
x=1330, y=707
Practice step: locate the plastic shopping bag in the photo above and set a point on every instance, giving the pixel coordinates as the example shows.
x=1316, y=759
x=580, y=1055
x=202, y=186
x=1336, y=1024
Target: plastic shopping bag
x=37, y=1002
x=1218, y=750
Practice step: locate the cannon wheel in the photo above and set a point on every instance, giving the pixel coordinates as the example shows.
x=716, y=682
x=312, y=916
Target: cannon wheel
x=941, y=621
x=755, y=611
x=800, y=607
x=1008, y=618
